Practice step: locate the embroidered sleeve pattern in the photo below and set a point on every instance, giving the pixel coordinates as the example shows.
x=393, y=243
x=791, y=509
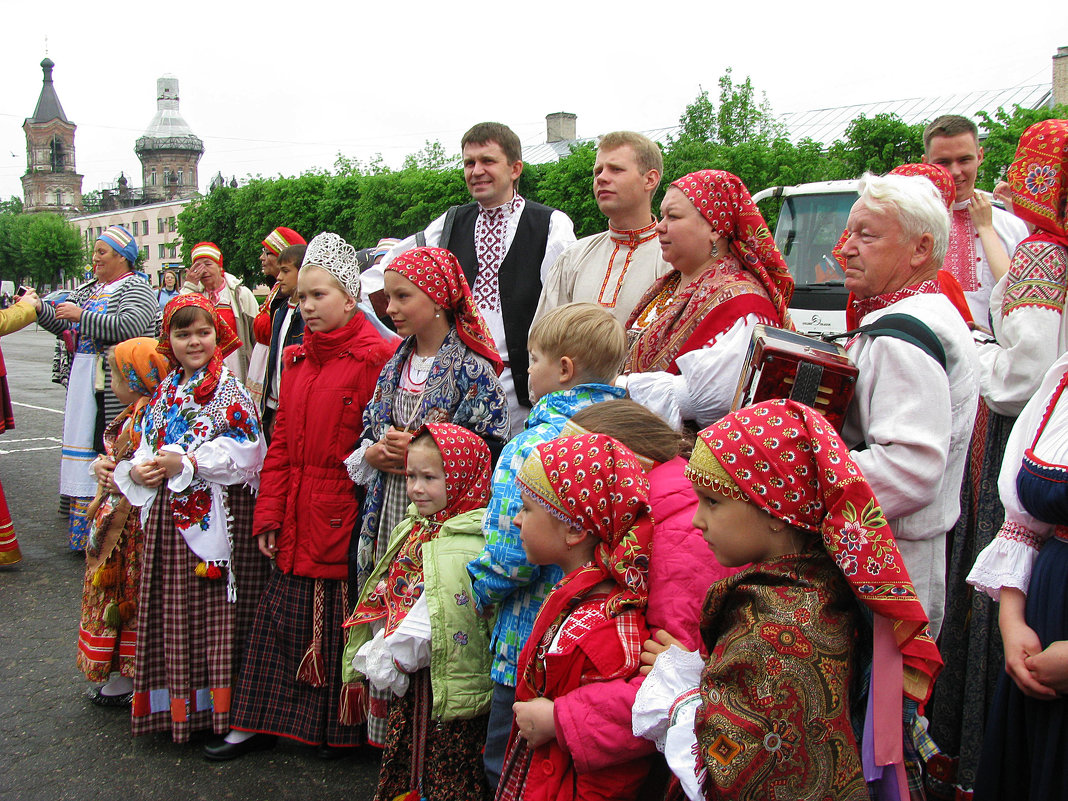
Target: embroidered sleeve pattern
x=1037, y=278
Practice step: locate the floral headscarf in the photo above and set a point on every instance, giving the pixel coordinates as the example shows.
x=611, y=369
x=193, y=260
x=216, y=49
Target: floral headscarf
x=226, y=341
x=788, y=460
x=1038, y=177
x=595, y=484
x=143, y=367
x=468, y=466
x=439, y=275
x=725, y=202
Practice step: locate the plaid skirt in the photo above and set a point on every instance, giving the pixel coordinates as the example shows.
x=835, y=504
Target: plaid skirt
x=190, y=639
x=268, y=697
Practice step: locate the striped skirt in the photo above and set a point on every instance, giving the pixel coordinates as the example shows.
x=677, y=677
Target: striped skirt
x=190, y=639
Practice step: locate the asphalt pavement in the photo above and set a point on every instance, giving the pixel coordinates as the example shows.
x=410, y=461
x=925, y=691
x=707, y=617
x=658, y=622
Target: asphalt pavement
x=54, y=744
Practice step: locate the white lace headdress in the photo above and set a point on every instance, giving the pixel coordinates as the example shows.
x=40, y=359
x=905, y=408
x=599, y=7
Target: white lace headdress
x=338, y=258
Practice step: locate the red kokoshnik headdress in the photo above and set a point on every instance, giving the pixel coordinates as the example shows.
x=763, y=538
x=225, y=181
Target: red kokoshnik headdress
x=226, y=341
x=788, y=460
x=1038, y=177
x=438, y=274
x=724, y=201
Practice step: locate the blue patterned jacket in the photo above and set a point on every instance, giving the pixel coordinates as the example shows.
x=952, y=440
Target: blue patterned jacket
x=501, y=575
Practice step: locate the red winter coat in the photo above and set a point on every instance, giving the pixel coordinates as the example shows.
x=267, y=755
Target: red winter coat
x=305, y=491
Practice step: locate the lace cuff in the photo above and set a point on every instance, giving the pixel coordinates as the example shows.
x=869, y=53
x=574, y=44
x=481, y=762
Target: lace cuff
x=360, y=472
x=375, y=660
x=410, y=643
x=675, y=674
x=1006, y=562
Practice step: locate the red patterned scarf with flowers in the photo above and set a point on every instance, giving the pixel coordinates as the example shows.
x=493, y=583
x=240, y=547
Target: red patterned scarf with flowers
x=226, y=341
x=725, y=202
x=467, y=464
x=439, y=275
x=786, y=459
x=1038, y=178
x=595, y=484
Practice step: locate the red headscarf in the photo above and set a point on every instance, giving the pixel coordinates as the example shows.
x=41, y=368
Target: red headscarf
x=594, y=484
x=468, y=465
x=1038, y=177
x=725, y=202
x=788, y=460
x=439, y=275
x=226, y=341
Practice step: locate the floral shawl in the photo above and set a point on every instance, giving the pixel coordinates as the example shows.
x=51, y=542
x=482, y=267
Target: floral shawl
x=462, y=388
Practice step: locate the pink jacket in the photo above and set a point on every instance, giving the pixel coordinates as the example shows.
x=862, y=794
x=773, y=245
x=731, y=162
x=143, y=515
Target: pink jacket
x=593, y=722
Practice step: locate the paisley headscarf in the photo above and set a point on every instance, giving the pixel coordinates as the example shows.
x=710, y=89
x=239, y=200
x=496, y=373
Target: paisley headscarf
x=143, y=367
x=788, y=460
x=226, y=341
x=1038, y=178
x=595, y=484
x=439, y=275
x=725, y=202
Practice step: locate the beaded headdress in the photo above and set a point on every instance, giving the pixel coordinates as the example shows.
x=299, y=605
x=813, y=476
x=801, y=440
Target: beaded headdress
x=336, y=256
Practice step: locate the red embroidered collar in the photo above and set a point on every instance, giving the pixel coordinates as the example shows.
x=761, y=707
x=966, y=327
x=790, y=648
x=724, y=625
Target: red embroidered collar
x=862, y=308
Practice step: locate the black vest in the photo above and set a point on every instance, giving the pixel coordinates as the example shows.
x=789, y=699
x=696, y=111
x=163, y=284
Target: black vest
x=519, y=278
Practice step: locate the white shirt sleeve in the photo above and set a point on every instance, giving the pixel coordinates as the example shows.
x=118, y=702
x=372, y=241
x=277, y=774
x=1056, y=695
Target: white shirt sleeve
x=707, y=382
x=561, y=235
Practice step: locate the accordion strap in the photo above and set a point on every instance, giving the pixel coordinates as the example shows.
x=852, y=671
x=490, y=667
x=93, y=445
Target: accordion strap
x=904, y=327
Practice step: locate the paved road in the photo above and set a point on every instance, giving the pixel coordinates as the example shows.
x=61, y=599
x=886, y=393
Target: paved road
x=54, y=745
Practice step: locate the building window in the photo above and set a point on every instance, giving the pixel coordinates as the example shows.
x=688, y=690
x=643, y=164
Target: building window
x=172, y=224
x=159, y=225
x=179, y=177
x=59, y=197
x=144, y=227
x=144, y=251
x=153, y=178
x=166, y=176
x=161, y=251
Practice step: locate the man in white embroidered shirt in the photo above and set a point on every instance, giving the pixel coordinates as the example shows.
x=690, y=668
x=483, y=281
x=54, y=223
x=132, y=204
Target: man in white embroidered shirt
x=982, y=237
x=911, y=419
x=616, y=267
x=505, y=245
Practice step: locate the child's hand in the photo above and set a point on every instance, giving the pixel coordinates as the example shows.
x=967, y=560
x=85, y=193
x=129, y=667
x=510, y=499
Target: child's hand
x=266, y=543
x=148, y=474
x=535, y=721
x=169, y=462
x=652, y=648
x=1050, y=667
x=104, y=470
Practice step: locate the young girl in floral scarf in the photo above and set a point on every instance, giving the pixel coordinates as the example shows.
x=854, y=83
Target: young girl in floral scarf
x=769, y=714
x=107, y=636
x=445, y=371
x=201, y=573
x=586, y=509
x=416, y=633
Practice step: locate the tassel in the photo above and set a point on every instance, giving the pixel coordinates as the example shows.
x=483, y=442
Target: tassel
x=208, y=570
x=311, y=670
x=411, y=795
x=201, y=569
x=352, y=710
x=106, y=577
x=127, y=609
x=112, y=616
x=214, y=573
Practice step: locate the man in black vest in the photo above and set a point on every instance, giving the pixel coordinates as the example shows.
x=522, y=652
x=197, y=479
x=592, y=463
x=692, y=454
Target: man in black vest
x=506, y=245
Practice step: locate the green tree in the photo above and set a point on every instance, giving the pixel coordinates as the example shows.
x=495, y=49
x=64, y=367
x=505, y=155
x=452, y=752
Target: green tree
x=52, y=250
x=738, y=119
x=567, y=185
x=1003, y=131
x=876, y=144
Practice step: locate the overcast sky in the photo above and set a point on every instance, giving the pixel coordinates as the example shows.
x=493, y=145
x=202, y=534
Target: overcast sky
x=277, y=88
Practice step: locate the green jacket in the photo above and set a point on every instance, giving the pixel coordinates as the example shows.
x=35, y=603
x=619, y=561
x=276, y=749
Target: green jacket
x=460, y=657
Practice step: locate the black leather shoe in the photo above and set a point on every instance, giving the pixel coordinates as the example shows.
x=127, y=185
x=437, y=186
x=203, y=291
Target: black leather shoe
x=334, y=752
x=98, y=698
x=218, y=750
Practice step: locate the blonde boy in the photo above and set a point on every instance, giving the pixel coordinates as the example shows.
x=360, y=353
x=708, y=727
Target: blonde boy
x=576, y=352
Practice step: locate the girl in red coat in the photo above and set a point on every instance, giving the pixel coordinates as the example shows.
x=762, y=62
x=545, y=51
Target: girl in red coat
x=586, y=509
x=307, y=509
